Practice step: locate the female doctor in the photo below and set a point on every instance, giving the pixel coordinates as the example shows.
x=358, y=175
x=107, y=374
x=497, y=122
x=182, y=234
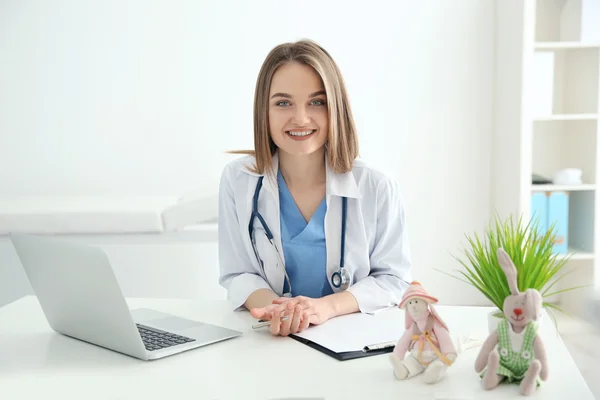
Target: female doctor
x=306, y=230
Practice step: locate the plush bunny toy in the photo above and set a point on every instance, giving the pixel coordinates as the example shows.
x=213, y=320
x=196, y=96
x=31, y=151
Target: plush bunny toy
x=426, y=337
x=522, y=357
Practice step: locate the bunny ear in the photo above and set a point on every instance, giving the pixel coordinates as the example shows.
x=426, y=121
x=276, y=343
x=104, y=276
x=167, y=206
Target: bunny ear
x=509, y=270
x=533, y=301
x=437, y=316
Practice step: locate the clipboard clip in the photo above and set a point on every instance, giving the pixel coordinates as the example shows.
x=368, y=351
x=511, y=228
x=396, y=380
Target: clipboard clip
x=379, y=346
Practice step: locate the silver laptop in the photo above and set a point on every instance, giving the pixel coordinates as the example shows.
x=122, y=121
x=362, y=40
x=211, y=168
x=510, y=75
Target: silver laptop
x=81, y=298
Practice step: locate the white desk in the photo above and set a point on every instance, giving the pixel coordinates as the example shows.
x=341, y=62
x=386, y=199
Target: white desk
x=37, y=363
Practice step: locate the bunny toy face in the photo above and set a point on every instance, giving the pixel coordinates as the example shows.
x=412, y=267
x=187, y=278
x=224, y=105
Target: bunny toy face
x=522, y=308
x=418, y=308
x=519, y=308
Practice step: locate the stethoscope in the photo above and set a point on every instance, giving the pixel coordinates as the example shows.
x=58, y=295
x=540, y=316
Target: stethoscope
x=339, y=279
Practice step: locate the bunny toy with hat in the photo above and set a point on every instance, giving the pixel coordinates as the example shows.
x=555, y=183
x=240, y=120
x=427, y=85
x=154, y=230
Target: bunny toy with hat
x=426, y=339
x=514, y=352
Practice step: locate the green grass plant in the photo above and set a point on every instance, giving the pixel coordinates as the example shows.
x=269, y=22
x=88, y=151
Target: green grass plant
x=531, y=250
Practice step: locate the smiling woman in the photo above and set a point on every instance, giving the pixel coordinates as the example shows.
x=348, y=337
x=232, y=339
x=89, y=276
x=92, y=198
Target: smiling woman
x=283, y=240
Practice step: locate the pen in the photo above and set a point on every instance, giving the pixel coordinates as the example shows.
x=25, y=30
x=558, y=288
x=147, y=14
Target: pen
x=379, y=346
x=262, y=323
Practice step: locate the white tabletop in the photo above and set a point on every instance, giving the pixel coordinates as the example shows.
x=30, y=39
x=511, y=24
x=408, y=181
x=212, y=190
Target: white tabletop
x=37, y=363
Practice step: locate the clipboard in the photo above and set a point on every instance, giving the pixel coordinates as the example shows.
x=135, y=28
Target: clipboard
x=354, y=336
x=347, y=355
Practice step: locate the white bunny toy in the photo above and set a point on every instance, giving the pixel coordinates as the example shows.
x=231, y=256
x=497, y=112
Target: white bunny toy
x=514, y=351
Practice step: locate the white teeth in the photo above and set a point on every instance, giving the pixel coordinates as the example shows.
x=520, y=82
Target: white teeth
x=305, y=133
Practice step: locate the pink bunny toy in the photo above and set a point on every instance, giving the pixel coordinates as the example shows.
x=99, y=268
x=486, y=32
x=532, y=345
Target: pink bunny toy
x=522, y=355
x=426, y=336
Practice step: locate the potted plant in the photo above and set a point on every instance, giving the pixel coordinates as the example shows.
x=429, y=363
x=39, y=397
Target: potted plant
x=532, y=252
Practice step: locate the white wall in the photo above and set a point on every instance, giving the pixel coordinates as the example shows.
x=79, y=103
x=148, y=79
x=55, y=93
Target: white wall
x=142, y=98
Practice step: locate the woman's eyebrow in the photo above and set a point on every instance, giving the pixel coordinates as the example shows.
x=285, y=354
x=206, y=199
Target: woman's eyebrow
x=289, y=96
x=286, y=95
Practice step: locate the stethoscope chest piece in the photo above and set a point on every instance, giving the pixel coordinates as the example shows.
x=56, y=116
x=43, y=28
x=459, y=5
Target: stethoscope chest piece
x=341, y=279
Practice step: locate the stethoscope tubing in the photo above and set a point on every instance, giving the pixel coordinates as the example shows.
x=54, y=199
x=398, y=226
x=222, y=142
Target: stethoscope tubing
x=341, y=273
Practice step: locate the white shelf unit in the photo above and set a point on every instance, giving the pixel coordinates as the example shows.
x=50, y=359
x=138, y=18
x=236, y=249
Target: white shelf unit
x=543, y=131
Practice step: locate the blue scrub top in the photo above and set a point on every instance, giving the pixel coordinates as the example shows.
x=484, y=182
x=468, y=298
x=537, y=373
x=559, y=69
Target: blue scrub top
x=303, y=246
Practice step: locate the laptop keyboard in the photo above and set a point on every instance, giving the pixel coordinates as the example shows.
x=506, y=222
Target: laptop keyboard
x=155, y=339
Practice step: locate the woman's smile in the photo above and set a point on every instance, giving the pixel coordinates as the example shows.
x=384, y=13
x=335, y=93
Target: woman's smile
x=300, y=134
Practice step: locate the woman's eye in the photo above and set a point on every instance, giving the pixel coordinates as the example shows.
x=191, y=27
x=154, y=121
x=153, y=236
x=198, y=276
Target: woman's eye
x=317, y=102
x=282, y=103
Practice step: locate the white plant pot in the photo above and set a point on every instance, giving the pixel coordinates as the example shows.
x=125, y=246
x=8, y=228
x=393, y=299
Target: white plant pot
x=494, y=320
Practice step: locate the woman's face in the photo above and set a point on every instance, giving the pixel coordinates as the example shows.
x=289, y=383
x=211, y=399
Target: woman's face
x=298, y=116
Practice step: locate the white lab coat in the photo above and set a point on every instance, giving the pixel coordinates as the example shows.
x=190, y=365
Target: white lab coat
x=377, y=252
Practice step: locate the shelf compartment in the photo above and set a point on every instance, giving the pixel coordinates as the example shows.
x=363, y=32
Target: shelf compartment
x=570, y=21
x=581, y=221
x=576, y=82
x=559, y=145
x=564, y=85
x=574, y=224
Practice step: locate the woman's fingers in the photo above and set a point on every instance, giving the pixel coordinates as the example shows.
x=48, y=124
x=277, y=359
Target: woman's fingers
x=298, y=319
x=305, y=322
x=295, y=324
x=264, y=313
x=303, y=301
x=298, y=311
x=286, y=303
x=285, y=325
x=258, y=313
x=275, y=323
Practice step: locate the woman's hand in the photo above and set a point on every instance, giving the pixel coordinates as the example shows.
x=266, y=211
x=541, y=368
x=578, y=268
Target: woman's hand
x=301, y=312
x=318, y=310
x=296, y=322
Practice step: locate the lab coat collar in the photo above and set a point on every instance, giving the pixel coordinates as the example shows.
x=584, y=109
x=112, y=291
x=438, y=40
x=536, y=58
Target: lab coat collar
x=343, y=185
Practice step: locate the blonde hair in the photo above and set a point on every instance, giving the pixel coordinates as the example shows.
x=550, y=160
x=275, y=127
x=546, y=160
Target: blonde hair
x=342, y=147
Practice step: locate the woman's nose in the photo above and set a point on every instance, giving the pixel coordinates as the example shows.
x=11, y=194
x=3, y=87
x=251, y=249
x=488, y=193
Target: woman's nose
x=301, y=116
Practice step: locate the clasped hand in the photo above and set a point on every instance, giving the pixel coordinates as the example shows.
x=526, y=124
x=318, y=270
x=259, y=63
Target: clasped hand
x=301, y=312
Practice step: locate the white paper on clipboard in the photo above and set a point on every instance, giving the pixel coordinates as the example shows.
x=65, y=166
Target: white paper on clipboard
x=353, y=332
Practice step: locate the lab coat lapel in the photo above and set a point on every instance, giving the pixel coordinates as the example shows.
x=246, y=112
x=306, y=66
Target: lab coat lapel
x=268, y=207
x=339, y=186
